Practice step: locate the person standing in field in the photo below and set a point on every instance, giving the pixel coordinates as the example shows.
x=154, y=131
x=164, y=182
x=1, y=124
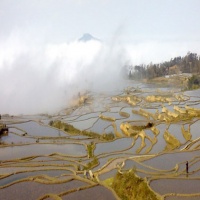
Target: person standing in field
x=187, y=167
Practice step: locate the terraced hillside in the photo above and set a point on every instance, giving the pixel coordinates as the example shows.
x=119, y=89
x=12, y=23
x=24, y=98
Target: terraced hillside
x=77, y=152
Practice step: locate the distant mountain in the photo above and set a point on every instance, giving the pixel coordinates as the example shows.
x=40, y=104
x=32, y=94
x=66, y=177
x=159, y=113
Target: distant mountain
x=87, y=37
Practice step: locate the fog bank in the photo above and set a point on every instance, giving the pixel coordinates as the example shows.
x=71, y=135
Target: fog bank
x=38, y=77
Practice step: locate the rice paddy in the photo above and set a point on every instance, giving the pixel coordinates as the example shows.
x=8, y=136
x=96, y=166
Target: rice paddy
x=153, y=131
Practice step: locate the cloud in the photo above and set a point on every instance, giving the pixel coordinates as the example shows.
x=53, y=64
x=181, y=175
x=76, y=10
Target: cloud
x=38, y=77
x=157, y=51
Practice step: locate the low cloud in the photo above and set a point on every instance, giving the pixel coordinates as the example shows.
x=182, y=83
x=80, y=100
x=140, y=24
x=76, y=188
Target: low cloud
x=42, y=78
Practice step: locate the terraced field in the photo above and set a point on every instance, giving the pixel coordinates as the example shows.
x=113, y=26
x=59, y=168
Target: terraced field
x=71, y=154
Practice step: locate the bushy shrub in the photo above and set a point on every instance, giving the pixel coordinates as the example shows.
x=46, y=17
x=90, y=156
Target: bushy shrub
x=194, y=82
x=128, y=186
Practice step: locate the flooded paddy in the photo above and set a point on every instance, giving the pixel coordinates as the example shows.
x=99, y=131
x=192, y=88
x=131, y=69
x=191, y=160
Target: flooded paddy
x=167, y=161
x=106, y=159
x=85, y=124
x=108, y=174
x=131, y=164
x=117, y=145
x=12, y=138
x=15, y=177
x=34, y=129
x=153, y=131
x=34, y=190
x=99, y=126
x=99, y=192
x=181, y=186
x=15, y=152
x=194, y=129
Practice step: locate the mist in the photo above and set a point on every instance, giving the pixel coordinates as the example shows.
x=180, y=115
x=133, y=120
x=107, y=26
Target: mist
x=38, y=77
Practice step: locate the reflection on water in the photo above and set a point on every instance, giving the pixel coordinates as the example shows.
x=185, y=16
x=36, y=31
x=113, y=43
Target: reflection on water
x=83, y=125
x=194, y=129
x=19, y=176
x=55, y=148
x=175, y=129
x=34, y=129
x=108, y=175
x=12, y=138
x=168, y=161
x=99, y=126
x=117, y=145
x=185, y=186
x=15, y=152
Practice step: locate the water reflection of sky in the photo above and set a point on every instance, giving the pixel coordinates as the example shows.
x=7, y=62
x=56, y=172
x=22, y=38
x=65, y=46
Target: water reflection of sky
x=41, y=149
x=34, y=129
x=117, y=145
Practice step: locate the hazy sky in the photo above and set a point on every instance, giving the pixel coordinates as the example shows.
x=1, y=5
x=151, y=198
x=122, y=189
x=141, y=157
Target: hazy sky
x=43, y=66
x=131, y=20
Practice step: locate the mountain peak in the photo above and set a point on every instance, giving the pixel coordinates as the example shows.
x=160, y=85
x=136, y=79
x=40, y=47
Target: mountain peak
x=87, y=37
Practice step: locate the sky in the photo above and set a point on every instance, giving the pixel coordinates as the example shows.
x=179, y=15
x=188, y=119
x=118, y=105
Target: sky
x=65, y=20
x=43, y=65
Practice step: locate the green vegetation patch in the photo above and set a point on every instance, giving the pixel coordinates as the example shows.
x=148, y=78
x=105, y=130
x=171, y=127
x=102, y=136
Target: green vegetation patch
x=129, y=186
x=93, y=163
x=109, y=181
x=72, y=130
x=90, y=149
x=193, y=82
x=171, y=140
